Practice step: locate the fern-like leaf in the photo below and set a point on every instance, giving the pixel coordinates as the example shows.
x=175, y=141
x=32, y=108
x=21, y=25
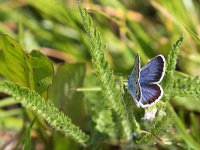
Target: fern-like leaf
x=162, y=124
x=171, y=65
x=109, y=89
x=32, y=100
x=189, y=86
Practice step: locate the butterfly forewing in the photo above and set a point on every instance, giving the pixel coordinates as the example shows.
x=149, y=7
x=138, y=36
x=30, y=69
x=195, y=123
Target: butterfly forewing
x=153, y=72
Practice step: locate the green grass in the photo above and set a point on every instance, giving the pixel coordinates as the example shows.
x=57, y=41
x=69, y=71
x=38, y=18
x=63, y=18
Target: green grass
x=57, y=60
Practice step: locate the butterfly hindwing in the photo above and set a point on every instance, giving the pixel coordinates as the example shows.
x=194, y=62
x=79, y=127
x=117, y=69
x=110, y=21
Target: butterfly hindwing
x=150, y=94
x=153, y=72
x=133, y=81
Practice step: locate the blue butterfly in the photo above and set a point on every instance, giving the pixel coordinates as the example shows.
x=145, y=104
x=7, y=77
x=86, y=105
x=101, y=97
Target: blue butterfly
x=143, y=83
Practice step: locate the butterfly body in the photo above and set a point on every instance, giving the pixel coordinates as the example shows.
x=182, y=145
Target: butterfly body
x=143, y=83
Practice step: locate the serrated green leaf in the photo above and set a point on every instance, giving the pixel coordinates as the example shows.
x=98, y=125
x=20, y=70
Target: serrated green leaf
x=168, y=80
x=112, y=95
x=161, y=124
x=32, y=100
x=188, y=86
x=105, y=126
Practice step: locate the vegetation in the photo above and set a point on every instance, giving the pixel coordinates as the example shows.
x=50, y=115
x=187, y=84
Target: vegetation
x=58, y=86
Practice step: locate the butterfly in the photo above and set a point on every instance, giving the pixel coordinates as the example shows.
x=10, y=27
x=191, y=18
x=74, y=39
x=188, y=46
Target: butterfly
x=143, y=83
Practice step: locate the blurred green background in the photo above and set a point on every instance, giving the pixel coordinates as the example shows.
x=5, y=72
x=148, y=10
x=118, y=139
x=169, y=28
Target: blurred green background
x=127, y=27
